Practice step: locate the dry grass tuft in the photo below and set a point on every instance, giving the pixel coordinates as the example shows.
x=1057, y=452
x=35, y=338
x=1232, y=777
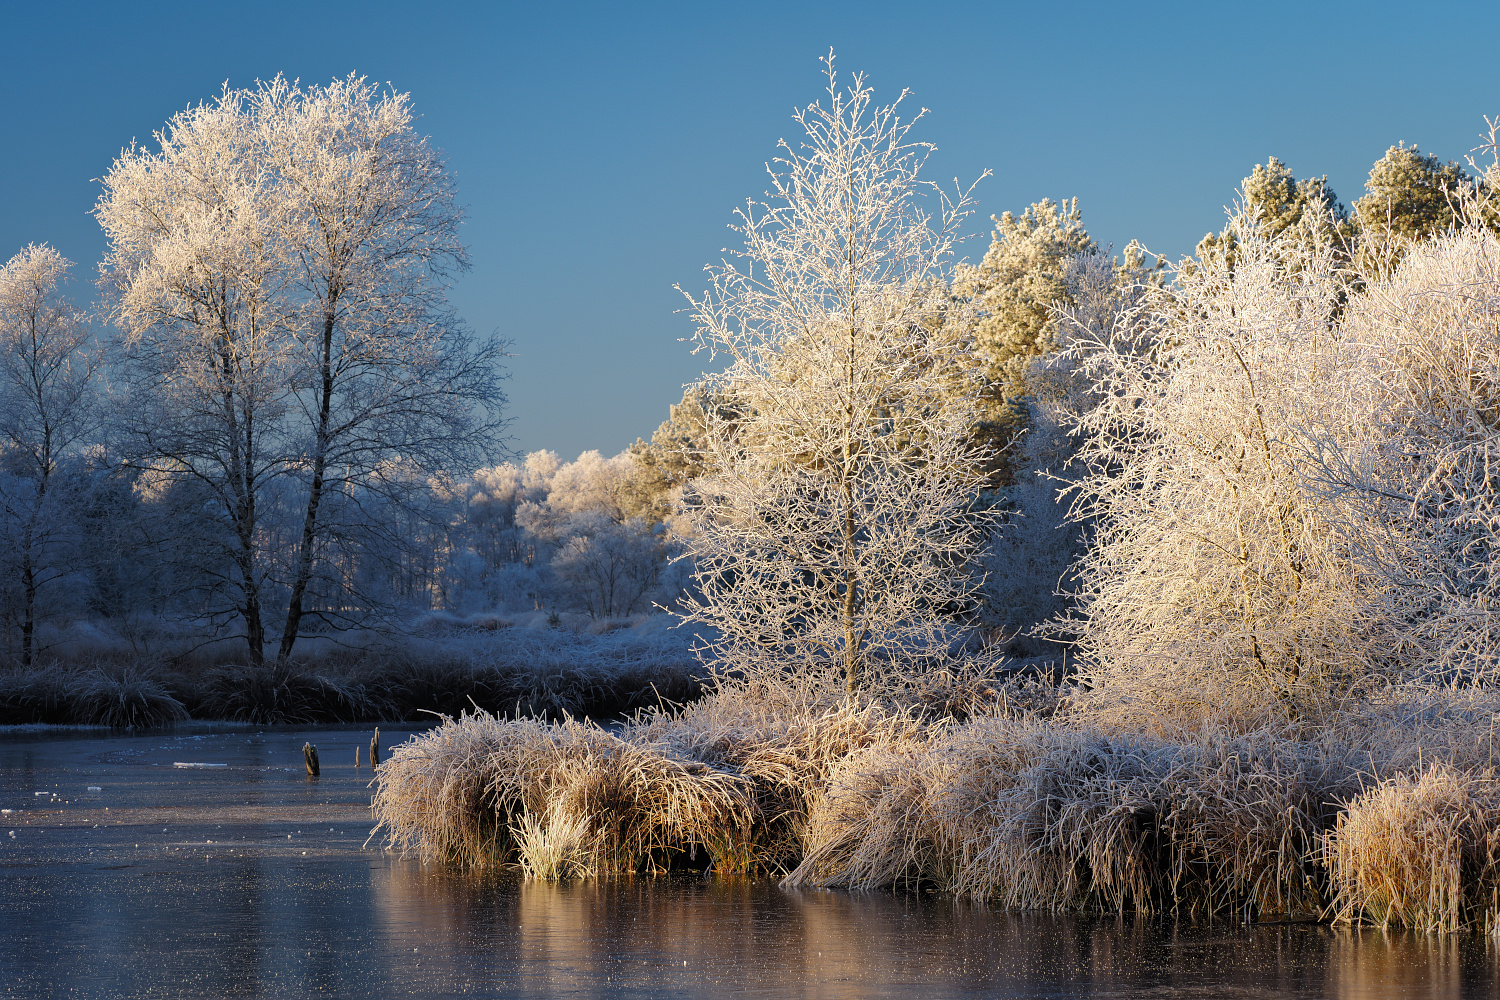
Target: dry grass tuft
x=786, y=753
x=433, y=794
x=721, y=778
x=122, y=697
x=126, y=699
x=1034, y=816
x=279, y=693
x=573, y=792
x=639, y=802
x=560, y=845
x=1420, y=852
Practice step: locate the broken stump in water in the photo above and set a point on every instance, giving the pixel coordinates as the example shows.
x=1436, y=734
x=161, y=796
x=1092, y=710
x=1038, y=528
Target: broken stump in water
x=310, y=758
x=356, y=756
x=375, y=749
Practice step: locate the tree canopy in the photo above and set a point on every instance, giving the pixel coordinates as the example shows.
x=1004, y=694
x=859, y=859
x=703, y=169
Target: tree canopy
x=1412, y=194
x=1015, y=289
x=1276, y=203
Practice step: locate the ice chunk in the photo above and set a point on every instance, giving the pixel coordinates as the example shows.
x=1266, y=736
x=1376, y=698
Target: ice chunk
x=95, y=788
x=181, y=763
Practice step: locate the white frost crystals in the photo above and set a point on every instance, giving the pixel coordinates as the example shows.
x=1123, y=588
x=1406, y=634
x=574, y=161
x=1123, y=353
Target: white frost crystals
x=1294, y=474
x=833, y=532
x=1215, y=576
x=292, y=369
x=1417, y=478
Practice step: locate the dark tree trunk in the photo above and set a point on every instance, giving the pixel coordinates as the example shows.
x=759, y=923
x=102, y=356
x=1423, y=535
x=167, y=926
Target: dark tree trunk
x=294, y=609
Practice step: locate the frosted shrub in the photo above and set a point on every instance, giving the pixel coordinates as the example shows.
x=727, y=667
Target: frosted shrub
x=611, y=569
x=560, y=534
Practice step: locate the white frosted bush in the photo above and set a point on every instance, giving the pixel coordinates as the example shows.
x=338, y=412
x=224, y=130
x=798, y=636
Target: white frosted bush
x=1418, y=471
x=1217, y=580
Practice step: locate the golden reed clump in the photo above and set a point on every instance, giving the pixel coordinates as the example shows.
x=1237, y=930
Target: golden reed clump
x=1420, y=851
x=1035, y=816
x=715, y=779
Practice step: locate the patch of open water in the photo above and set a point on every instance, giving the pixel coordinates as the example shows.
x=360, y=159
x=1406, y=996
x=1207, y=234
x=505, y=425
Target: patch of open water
x=251, y=880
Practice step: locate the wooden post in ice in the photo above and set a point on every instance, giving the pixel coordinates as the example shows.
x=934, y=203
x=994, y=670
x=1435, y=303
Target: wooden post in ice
x=356, y=756
x=375, y=749
x=310, y=758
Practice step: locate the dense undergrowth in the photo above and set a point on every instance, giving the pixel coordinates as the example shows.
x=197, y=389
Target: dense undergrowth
x=1387, y=811
x=518, y=672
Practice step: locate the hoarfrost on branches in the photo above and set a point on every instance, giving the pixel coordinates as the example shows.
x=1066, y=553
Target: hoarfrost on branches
x=1418, y=474
x=834, y=530
x=1217, y=573
x=278, y=268
x=49, y=371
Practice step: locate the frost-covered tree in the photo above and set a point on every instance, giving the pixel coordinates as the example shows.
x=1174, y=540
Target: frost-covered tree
x=384, y=370
x=1417, y=473
x=1277, y=203
x=1217, y=576
x=1411, y=195
x=49, y=387
x=278, y=268
x=194, y=278
x=676, y=453
x=608, y=568
x=1014, y=289
x=834, y=528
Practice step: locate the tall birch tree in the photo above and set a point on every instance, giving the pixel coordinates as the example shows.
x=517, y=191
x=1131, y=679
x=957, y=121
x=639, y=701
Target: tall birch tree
x=832, y=532
x=384, y=370
x=194, y=277
x=279, y=270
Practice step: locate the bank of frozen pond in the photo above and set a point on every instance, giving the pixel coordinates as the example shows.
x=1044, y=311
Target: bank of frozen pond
x=1386, y=812
x=506, y=670
x=252, y=880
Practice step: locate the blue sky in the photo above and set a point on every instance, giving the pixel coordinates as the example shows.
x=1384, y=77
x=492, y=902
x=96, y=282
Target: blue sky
x=600, y=149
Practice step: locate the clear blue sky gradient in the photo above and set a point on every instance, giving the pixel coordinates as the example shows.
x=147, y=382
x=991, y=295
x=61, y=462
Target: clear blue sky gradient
x=600, y=148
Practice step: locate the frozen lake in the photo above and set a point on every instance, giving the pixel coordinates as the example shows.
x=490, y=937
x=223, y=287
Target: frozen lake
x=249, y=879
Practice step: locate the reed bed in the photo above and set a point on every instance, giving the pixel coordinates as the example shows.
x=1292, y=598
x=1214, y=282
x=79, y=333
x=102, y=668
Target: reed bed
x=434, y=794
x=1030, y=815
x=710, y=785
x=1420, y=851
x=564, y=796
x=104, y=695
x=1385, y=811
